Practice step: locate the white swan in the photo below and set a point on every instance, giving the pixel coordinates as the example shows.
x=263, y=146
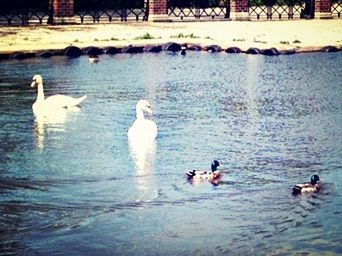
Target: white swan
x=50, y=104
x=142, y=129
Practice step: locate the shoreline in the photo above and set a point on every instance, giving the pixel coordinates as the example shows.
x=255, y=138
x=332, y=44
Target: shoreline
x=289, y=35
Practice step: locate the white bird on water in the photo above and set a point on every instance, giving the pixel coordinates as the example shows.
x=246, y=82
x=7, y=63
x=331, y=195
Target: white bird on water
x=47, y=106
x=142, y=129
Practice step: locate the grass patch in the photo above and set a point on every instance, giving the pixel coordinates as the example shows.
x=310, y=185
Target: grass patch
x=239, y=40
x=284, y=42
x=296, y=41
x=96, y=40
x=144, y=36
x=259, y=41
x=76, y=41
x=181, y=35
x=114, y=39
x=25, y=38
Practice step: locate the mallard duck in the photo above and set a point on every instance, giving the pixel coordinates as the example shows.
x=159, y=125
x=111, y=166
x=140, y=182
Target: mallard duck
x=313, y=186
x=205, y=175
x=94, y=59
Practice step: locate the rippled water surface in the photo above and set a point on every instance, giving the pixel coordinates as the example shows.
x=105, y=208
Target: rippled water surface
x=74, y=186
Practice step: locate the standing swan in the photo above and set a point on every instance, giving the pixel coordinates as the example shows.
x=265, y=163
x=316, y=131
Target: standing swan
x=142, y=129
x=52, y=103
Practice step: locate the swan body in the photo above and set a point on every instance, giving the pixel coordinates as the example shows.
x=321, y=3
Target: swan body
x=312, y=187
x=142, y=129
x=52, y=103
x=205, y=175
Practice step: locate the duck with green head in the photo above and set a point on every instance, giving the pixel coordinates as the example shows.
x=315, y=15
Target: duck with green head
x=205, y=175
x=310, y=187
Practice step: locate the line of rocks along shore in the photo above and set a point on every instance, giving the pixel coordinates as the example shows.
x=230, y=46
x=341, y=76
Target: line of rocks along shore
x=74, y=51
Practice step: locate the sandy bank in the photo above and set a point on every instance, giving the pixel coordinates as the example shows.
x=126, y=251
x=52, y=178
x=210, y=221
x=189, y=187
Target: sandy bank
x=279, y=34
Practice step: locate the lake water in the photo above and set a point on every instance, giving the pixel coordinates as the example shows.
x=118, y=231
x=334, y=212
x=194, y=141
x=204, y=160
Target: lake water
x=74, y=186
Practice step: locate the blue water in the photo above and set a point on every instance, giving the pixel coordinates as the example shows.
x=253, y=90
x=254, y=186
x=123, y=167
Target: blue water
x=72, y=186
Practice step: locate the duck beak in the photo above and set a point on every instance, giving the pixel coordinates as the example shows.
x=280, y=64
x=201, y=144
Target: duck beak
x=34, y=83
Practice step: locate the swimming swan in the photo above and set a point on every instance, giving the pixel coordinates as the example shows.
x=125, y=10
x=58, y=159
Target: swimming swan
x=313, y=186
x=142, y=129
x=52, y=103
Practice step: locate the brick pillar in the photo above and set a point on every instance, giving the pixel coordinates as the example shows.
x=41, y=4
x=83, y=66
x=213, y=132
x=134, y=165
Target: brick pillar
x=239, y=9
x=323, y=9
x=157, y=10
x=63, y=12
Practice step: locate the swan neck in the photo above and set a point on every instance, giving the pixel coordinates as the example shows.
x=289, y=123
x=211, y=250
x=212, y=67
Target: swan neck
x=40, y=95
x=139, y=114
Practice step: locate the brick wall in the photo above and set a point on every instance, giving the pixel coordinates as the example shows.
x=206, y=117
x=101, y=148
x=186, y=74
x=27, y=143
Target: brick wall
x=63, y=8
x=239, y=5
x=158, y=7
x=323, y=6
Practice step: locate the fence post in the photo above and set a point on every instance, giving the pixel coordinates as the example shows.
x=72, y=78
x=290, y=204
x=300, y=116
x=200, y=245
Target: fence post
x=323, y=9
x=239, y=10
x=157, y=10
x=63, y=12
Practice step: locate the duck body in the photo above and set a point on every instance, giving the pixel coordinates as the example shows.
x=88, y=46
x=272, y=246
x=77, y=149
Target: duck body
x=308, y=187
x=212, y=175
x=47, y=105
x=93, y=59
x=142, y=129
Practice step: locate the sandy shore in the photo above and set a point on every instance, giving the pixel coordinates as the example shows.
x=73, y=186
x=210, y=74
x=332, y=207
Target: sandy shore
x=299, y=34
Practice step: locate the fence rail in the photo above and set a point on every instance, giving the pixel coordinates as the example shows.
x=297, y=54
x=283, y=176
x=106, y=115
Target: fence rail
x=108, y=11
x=23, y=12
x=199, y=9
x=336, y=8
x=278, y=9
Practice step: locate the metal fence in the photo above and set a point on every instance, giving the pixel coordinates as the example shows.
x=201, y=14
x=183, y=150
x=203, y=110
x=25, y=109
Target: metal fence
x=24, y=12
x=280, y=9
x=93, y=11
x=198, y=9
x=336, y=8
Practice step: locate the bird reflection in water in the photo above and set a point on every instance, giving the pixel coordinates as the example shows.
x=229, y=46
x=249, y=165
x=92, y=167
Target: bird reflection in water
x=54, y=121
x=143, y=153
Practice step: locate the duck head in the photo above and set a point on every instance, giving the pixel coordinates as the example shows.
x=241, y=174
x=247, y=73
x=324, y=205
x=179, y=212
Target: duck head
x=314, y=179
x=144, y=105
x=214, y=165
x=36, y=80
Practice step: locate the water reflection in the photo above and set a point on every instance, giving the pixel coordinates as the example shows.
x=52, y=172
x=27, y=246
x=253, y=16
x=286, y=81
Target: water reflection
x=54, y=121
x=143, y=153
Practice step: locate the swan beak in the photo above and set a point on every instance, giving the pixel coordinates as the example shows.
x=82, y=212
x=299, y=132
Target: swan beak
x=148, y=109
x=34, y=83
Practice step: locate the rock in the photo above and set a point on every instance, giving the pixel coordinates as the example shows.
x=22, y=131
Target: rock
x=132, y=49
x=153, y=48
x=22, y=55
x=213, y=48
x=253, y=50
x=173, y=47
x=270, y=52
x=91, y=50
x=73, y=51
x=233, y=50
x=194, y=47
x=330, y=48
x=47, y=54
x=112, y=50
